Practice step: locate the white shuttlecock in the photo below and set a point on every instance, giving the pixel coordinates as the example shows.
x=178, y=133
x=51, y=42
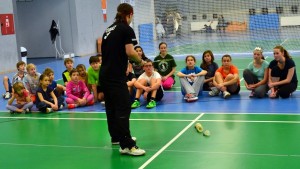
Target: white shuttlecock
x=206, y=133
x=199, y=127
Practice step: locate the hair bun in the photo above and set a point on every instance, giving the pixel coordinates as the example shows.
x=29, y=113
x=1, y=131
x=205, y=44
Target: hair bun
x=259, y=49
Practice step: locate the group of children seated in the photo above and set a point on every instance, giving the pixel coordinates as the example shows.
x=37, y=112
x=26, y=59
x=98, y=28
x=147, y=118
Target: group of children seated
x=82, y=87
x=259, y=77
x=29, y=88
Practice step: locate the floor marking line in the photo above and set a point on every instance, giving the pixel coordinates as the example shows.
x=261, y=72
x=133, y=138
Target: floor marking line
x=163, y=120
x=232, y=153
x=252, y=121
x=170, y=142
x=60, y=146
x=92, y=119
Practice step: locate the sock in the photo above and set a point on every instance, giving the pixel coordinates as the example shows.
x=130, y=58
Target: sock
x=152, y=98
x=72, y=106
x=90, y=103
x=137, y=99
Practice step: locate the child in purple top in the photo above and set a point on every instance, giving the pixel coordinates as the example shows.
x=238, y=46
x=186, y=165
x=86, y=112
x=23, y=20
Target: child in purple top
x=77, y=92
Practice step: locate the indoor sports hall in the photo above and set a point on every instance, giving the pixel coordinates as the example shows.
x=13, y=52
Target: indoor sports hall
x=245, y=132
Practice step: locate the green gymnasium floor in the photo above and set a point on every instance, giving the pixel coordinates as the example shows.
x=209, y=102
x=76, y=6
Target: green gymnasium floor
x=78, y=139
x=81, y=140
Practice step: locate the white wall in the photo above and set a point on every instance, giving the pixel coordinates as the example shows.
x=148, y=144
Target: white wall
x=35, y=19
x=81, y=23
x=8, y=43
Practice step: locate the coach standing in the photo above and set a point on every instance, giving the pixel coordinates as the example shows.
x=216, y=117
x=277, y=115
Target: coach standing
x=117, y=47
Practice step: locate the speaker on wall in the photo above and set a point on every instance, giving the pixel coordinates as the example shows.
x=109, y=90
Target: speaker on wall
x=279, y=10
x=264, y=11
x=294, y=9
x=251, y=11
x=194, y=17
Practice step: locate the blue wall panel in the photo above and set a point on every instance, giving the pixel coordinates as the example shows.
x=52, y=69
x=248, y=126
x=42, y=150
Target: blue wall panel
x=146, y=32
x=269, y=21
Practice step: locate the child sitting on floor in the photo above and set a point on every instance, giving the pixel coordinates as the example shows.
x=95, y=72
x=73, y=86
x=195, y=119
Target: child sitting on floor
x=23, y=101
x=77, y=92
x=192, y=79
x=149, y=83
x=46, y=100
x=32, y=81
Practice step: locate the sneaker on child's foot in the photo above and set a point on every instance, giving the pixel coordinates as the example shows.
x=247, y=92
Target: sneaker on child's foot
x=251, y=95
x=191, y=99
x=48, y=110
x=187, y=96
x=7, y=95
x=27, y=111
x=226, y=95
x=135, y=104
x=134, y=151
x=214, y=91
x=151, y=104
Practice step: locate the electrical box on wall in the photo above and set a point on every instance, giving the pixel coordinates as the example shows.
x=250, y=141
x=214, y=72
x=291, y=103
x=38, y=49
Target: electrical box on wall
x=7, y=24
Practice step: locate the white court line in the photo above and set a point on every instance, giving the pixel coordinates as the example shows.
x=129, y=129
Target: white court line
x=106, y=148
x=60, y=146
x=241, y=79
x=229, y=153
x=252, y=121
x=163, y=120
x=170, y=142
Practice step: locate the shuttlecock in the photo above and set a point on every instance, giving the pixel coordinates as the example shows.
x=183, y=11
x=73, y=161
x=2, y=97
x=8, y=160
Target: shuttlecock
x=206, y=133
x=199, y=127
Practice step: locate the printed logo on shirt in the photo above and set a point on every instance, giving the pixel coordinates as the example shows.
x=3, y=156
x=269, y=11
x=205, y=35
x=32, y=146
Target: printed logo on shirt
x=108, y=31
x=163, y=66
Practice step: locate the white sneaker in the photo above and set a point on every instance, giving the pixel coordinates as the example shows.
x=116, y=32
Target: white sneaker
x=134, y=151
x=214, y=91
x=103, y=103
x=26, y=111
x=226, y=95
x=191, y=99
x=48, y=110
x=7, y=95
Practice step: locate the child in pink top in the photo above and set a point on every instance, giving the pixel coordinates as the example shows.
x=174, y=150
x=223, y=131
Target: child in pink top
x=77, y=92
